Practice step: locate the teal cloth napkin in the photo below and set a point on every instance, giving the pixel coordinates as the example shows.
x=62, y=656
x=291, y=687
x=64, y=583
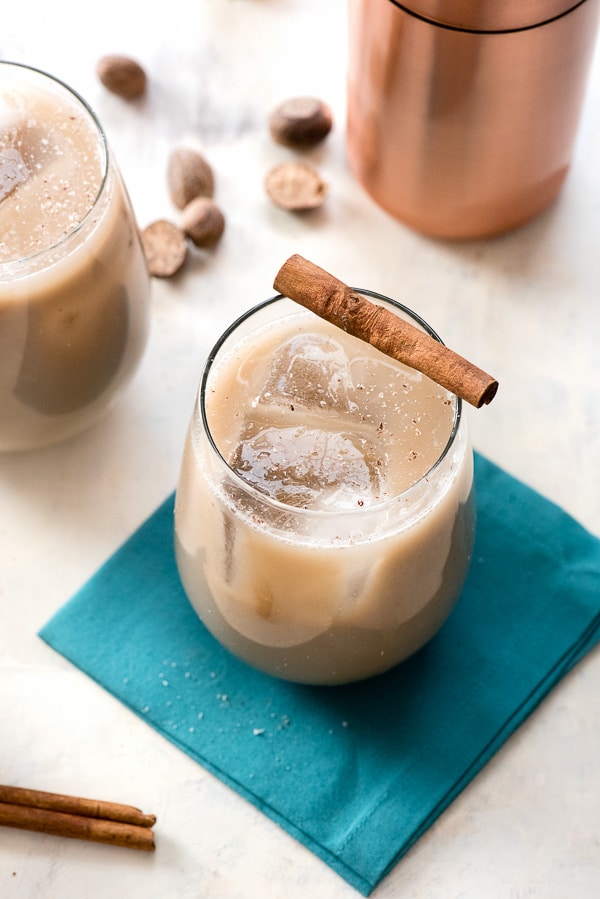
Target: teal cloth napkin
x=356, y=773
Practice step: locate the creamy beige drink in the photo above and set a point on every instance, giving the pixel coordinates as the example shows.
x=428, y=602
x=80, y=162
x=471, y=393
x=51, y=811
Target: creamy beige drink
x=74, y=287
x=324, y=514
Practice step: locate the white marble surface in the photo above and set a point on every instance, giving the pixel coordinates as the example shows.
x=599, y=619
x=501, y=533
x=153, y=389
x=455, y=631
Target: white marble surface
x=524, y=306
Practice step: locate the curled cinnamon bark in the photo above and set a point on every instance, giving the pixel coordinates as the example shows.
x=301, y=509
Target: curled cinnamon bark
x=331, y=299
x=76, y=817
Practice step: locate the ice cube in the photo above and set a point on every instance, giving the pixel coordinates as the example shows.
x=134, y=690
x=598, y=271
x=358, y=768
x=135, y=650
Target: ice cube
x=309, y=467
x=310, y=371
x=36, y=143
x=13, y=170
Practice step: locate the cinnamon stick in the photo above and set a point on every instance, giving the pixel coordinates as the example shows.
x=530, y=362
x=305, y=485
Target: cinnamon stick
x=331, y=299
x=76, y=805
x=76, y=817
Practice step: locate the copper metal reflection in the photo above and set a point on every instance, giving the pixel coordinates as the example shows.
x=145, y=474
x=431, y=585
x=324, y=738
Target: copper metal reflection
x=462, y=133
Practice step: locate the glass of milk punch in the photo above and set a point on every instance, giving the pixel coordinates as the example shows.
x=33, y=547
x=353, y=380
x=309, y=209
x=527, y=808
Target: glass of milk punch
x=324, y=514
x=74, y=286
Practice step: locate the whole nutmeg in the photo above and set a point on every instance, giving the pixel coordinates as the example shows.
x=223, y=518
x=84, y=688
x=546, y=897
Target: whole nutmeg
x=122, y=75
x=189, y=175
x=165, y=248
x=300, y=122
x=203, y=222
x=295, y=186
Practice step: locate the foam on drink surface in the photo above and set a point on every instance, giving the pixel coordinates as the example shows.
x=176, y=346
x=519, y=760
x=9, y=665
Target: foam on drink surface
x=51, y=168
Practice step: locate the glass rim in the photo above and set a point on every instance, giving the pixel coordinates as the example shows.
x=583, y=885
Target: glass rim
x=286, y=507
x=22, y=260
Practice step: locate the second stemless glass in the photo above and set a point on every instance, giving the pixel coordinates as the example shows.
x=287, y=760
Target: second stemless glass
x=323, y=596
x=74, y=296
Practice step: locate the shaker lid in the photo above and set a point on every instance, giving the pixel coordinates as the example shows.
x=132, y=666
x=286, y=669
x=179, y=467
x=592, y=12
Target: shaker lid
x=488, y=15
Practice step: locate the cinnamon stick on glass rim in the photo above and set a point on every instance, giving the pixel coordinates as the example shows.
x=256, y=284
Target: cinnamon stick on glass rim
x=331, y=299
x=76, y=817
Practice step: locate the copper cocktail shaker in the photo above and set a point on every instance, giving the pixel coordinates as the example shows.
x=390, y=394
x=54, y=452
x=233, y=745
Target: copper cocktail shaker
x=462, y=114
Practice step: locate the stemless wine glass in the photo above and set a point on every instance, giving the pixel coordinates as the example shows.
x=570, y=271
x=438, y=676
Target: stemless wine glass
x=74, y=285
x=324, y=513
